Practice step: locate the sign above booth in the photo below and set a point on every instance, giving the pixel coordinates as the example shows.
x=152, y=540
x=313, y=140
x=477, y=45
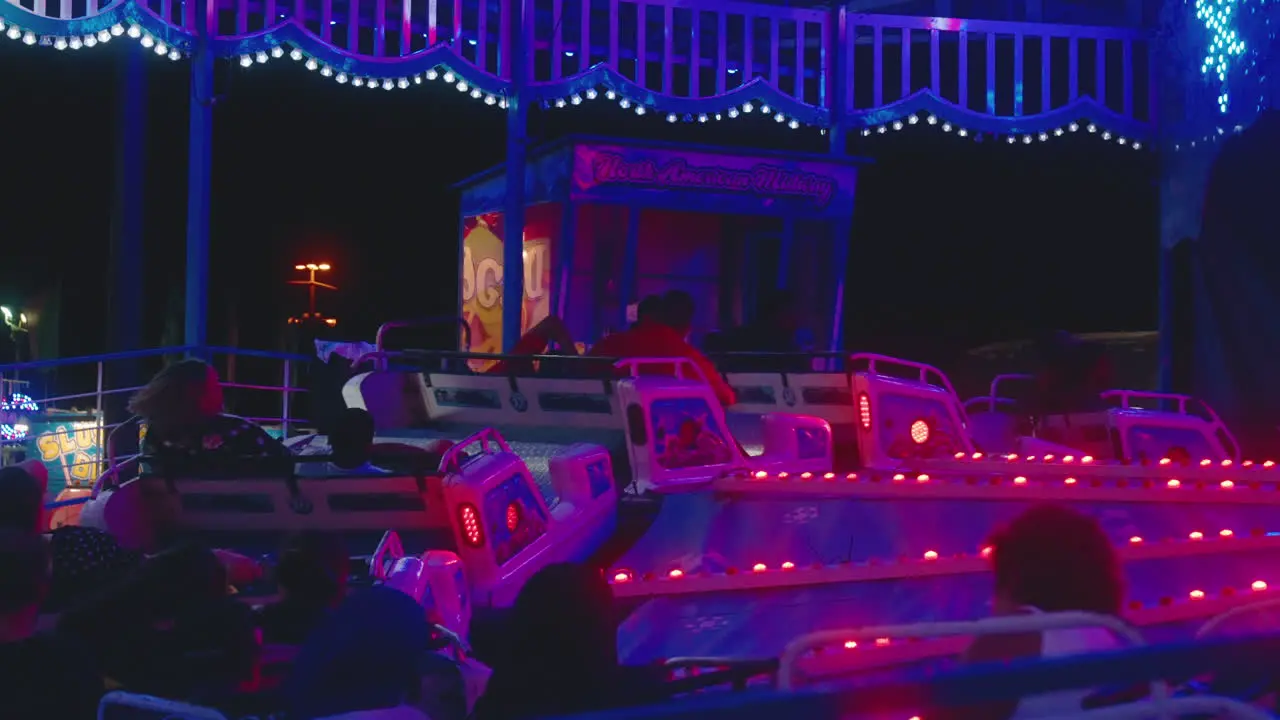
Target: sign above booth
x=711, y=182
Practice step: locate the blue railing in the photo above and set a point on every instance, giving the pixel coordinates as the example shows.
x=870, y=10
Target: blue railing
x=1245, y=662
x=80, y=468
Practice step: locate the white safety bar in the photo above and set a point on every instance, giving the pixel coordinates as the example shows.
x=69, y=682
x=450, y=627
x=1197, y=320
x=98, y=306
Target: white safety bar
x=1212, y=624
x=111, y=476
x=992, y=398
x=924, y=370
x=1126, y=396
x=633, y=365
x=1211, y=705
x=389, y=549
x=160, y=706
x=989, y=626
x=449, y=462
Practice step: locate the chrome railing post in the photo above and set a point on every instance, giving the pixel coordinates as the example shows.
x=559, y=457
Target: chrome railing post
x=98, y=392
x=288, y=390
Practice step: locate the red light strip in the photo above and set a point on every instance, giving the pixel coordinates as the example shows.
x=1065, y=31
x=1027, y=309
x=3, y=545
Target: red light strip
x=886, y=653
x=1006, y=485
x=678, y=581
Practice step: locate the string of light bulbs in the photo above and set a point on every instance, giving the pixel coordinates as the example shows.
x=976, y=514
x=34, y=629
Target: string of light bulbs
x=147, y=38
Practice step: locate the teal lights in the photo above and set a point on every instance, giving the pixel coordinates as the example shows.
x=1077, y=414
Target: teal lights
x=1218, y=17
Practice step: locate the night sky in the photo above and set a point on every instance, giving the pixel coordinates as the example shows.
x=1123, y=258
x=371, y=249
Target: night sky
x=955, y=242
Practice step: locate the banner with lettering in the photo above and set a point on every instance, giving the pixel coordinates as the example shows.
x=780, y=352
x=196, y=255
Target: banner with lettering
x=482, y=273
x=70, y=448
x=712, y=182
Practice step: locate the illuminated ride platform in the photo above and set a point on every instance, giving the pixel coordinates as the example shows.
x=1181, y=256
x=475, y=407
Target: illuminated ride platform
x=864, y=511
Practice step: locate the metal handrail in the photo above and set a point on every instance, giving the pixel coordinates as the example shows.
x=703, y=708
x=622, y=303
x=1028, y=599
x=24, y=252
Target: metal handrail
x=1208, y=705
x=286, y=389
x=1213, y=623
x=995, y=625
x=379, y=345
x=150, y=352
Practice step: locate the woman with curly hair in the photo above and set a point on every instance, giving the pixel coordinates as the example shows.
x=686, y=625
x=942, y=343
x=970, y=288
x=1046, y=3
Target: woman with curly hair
x=182, y=409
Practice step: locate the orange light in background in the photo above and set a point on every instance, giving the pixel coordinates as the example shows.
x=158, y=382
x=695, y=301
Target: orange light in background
x=331, y=322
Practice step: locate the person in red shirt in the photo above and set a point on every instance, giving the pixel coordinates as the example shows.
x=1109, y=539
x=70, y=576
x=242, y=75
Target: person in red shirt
x=551, y=330
x=663, y=335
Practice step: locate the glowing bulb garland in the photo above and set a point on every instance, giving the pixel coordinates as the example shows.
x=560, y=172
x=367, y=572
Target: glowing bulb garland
x=89, y=40
x=1224, y=43
x=639, y=108
x=451, y=77
x=16, y=428
x=1021, y=138
x=19, y=403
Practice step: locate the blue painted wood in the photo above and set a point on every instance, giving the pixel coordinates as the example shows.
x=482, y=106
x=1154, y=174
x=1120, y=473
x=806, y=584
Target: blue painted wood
x=513, y=215
x=127, y=257
x=199, y=159
x=1236, y=657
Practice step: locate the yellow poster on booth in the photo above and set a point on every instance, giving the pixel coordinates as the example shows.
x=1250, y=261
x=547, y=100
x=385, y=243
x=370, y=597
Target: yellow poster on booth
x=481, y=286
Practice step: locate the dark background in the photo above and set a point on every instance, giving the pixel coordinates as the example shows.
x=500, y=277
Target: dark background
x=956, y=242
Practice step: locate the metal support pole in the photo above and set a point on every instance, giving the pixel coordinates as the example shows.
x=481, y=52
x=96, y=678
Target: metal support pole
x=836, y=72
x=842, y=230
x=786, y=248
x=287, y=385
x=1164, y=322
x=627, y=286
x=126, y=257
x=513, y=218
x=199, y=163
x=566, y=250
x=98, y=393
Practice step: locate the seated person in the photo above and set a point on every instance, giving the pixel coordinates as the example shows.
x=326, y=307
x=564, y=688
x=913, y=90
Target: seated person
x=550, y=331
x=665, y=335
x=312, y=574
x=407, y=459
x=170, y=629
x=82, y=559
x=1072, y=375
x=648, y=310
x=562, y=654
x=350, y=444
x=363, y=661
x=777, y=330
x=1050, y=559
x=186, y=427
x=42, y=675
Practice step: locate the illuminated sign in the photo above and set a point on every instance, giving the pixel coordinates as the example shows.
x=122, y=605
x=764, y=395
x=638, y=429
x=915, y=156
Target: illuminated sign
x=482, y=275
x=70, y=449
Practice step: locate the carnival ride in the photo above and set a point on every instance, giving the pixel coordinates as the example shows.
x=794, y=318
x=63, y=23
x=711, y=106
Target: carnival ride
x=867, y=502
x=847, y=514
